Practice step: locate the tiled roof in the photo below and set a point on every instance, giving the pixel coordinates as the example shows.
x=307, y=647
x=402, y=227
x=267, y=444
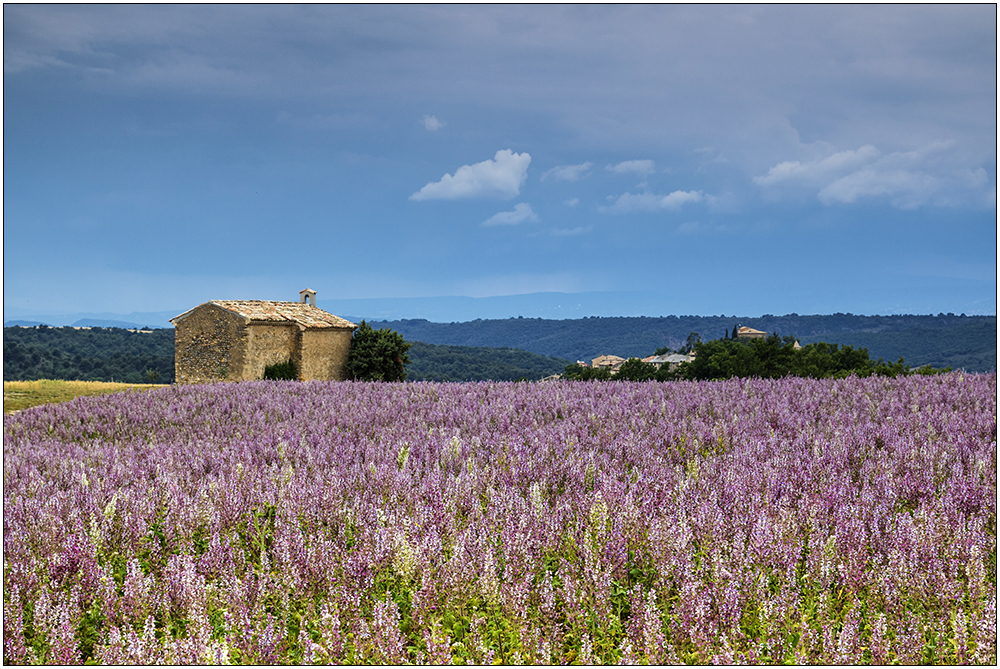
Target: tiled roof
x=612, y=361
x=304, y=314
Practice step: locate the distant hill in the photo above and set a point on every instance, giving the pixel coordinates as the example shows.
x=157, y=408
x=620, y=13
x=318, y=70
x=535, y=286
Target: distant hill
x=106, y=354
x=95, y=354
x=967, y=342
x=429, y=362
x=515, y=348
x=24, y=324
x=103, y=323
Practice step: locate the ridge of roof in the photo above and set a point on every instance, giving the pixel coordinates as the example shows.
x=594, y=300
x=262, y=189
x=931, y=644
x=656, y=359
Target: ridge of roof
x=273, y=311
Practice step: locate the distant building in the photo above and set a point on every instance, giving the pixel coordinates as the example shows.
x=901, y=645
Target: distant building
x=743, y=332
x=612, y=362
x=671, y=359
x=234, y=340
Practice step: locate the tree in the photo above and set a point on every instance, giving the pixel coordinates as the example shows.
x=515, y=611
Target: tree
x=282, y=371
x=693, y=340
x=377, y=355
x=577, y=372
x=635, y=369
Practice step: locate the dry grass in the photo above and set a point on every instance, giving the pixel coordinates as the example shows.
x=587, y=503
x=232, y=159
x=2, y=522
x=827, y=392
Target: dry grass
x=19, y=395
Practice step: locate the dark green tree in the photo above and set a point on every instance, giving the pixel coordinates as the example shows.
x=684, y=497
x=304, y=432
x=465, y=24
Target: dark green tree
x=576, y=372
x=635, y=369
x=377, y=355
x=693, y=340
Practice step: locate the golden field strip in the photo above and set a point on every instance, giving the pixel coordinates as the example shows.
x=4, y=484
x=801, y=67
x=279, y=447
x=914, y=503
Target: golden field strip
x=19, y=395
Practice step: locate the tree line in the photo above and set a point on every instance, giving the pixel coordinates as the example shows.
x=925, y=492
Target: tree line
x=97, y=354
x=771, y=357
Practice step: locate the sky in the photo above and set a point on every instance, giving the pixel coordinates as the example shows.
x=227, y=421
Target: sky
x=703, y=160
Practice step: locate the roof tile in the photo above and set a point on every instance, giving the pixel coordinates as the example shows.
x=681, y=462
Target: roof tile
x=304, y=314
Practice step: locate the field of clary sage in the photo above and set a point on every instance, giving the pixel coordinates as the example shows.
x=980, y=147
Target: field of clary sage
x=842, y=521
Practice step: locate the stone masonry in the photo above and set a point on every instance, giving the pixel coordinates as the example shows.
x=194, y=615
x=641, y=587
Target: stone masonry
x=234, y=340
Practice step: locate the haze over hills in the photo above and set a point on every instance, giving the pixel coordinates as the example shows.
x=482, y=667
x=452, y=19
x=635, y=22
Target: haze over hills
x=458, y=309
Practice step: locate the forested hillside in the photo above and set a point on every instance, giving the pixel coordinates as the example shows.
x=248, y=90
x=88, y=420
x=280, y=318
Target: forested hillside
x=466, y=363
x=967, y=342
x=113, y=354
x=97, y=354
x=970, y=345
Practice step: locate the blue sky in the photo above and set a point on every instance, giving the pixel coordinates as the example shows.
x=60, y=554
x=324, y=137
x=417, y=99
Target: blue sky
x=704, y=159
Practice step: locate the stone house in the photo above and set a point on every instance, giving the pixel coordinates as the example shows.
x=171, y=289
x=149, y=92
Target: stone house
x=612, y=362
x=671, y=360
x=234, y=340
x=743, y=332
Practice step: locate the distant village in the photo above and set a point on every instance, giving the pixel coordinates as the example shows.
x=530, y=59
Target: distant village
x=614, y=362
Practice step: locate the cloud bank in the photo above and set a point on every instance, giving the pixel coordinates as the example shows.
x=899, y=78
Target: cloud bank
x=652, y=202
x=934, y=175
x=641, y=167
x=501, y=177
x=522, y=212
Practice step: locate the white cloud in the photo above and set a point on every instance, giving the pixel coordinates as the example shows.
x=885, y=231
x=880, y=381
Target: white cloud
x=501, y=177
x=572, y=232
x=818, y=171
x=568, y=172
x=655, y=202
x=432, y=123
x=697, y=228
x=935, y=174
x=522, y=212
x=572, y=202
x=640, y=167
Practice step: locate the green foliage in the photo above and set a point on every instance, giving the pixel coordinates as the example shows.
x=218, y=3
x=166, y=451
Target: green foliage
x=771, y=357
x=282, y=371
x=577, y=372
x=775, y=357
x=430, y=362
x=377, y=355
x=693, y=339
x=97, y=354
x=635, y=369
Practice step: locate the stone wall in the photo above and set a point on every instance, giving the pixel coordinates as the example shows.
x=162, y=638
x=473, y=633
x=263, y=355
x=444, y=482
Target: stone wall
x=208, y=346
x=270, y=344
x=213, y=344
x=324, y=353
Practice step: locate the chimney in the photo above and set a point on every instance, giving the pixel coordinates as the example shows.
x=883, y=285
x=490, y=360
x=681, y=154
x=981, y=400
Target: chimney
x=307, y=296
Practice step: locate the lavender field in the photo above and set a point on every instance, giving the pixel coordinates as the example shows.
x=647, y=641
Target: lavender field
x=848, y=522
